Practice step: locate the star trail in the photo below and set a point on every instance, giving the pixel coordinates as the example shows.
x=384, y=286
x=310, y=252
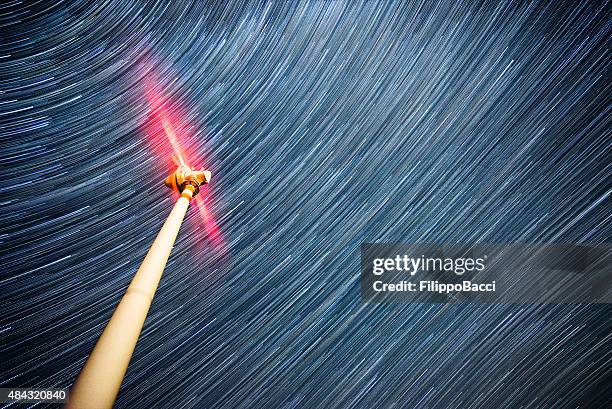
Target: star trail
x=326, y=124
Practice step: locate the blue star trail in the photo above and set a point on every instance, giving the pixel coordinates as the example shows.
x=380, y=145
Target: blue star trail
x=326, y=125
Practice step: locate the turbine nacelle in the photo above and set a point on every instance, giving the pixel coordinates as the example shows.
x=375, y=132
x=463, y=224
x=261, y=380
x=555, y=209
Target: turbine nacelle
x=185, y=176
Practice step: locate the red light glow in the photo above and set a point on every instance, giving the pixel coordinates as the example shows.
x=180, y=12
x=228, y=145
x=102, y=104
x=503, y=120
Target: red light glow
x=173, y=143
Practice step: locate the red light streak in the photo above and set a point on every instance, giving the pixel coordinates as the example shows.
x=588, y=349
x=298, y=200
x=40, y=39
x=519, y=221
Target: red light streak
x=164, y=127
x=173, y=139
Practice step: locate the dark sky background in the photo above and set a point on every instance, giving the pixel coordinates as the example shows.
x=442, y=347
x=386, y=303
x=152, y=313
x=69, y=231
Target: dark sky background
x=326, y=125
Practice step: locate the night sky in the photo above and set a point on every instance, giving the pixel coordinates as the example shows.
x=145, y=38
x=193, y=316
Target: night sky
x=326, y=125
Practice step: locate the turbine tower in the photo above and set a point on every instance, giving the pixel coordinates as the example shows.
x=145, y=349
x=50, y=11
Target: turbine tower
x=98, y=383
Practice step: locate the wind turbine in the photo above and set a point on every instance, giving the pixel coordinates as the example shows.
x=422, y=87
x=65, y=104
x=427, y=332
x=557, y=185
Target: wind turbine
x=99, y=381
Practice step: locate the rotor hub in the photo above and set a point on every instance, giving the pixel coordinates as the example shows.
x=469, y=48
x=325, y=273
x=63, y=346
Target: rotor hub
x=185, y=176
